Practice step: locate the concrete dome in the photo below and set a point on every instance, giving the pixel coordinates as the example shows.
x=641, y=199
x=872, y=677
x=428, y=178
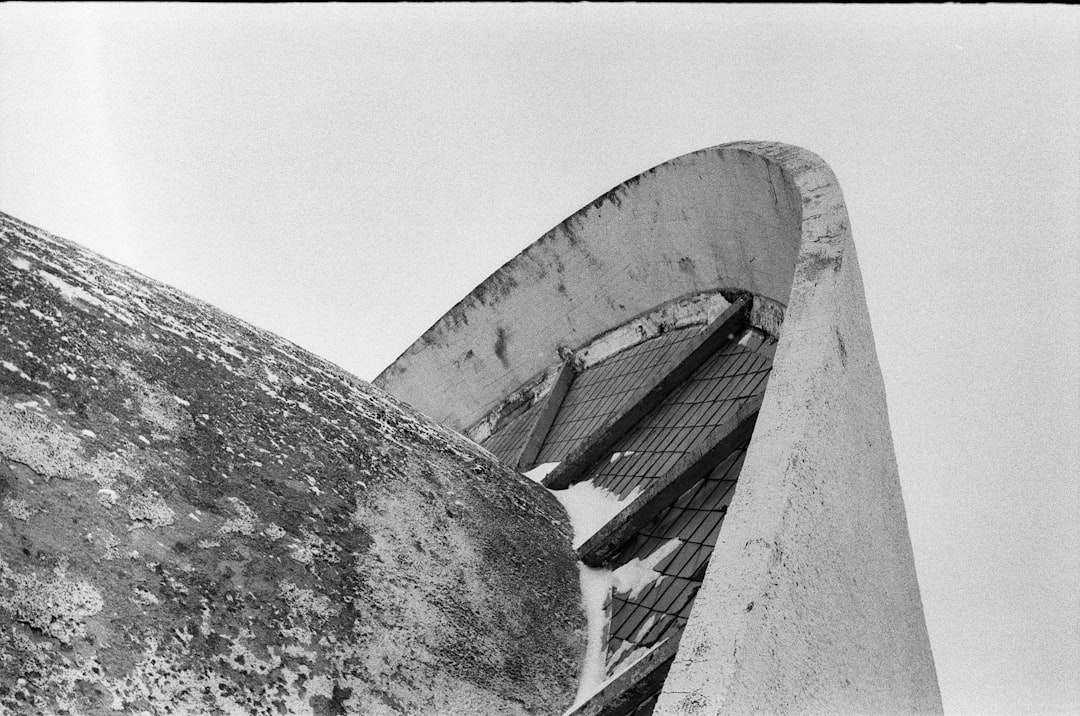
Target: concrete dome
x=200, y=517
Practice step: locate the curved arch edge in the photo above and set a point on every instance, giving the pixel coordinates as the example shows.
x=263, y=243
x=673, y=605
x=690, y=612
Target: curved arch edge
x=723, y=217
x=811, y=601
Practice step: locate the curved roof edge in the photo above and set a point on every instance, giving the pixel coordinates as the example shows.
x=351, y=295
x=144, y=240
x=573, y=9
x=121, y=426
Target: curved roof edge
x=811, y=602
x=726, y=217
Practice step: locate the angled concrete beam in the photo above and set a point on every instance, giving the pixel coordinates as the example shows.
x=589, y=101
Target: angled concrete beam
x=622, y=694
x=526, y=458
x=663, y=491
x=677, y=369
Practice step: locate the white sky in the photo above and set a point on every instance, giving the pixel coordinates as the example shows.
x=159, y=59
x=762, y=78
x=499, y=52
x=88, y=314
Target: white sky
x=342, y=175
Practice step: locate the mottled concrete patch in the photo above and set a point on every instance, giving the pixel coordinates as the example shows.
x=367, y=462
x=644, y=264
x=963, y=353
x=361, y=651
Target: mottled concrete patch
x=57, y=606
x=197, y=517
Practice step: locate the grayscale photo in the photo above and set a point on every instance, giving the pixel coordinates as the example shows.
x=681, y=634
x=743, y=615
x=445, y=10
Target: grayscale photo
x=574, y=359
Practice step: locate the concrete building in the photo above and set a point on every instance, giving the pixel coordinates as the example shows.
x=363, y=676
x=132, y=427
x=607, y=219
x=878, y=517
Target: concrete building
x=199, y=517
x=692, y=351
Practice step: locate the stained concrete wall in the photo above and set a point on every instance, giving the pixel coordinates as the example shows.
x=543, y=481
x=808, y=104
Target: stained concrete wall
x=811, y=602
x=684, y=227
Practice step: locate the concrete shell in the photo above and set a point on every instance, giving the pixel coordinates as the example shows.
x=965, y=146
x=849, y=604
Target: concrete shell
x=198, y=517
x=811, y=601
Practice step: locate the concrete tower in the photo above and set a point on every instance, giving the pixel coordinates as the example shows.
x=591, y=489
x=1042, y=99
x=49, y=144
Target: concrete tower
x=694, y=347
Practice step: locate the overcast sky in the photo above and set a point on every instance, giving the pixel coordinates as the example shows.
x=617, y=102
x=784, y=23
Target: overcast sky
x=342, y=175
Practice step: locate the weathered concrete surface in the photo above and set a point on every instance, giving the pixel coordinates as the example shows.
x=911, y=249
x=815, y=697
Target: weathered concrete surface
x=199, y=517
x=680, y=229
x=811, y=601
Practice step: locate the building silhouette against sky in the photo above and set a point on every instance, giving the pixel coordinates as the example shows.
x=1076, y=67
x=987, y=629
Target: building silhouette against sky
x=200, y=517
x=690, y=356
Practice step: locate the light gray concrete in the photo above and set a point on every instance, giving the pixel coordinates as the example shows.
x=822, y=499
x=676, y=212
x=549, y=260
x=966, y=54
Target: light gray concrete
x=811, y=602
x=677, y=230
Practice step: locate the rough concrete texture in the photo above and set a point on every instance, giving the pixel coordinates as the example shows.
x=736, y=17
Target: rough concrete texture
x=199, y=517
x=678, y=230
x=811, y=601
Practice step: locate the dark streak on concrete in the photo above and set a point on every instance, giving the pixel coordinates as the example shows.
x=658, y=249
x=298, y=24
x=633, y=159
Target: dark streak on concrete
x=500, y=346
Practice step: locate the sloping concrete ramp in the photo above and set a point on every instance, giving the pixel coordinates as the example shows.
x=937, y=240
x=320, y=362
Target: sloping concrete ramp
x=810, y=602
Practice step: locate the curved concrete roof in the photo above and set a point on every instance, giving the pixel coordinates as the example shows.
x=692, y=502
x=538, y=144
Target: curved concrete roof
x=728, y=217
x=198, y=517
x=810, y=602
